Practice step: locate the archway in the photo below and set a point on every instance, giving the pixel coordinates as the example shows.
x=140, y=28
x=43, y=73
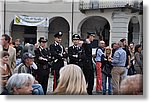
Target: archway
x=133, y=30
x=27, y=34
x=97, y=24
x=59, y=24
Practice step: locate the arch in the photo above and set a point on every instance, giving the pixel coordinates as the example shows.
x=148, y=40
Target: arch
x=133, y=30
x=94, y=24
x=27, y=34
x=59, y=24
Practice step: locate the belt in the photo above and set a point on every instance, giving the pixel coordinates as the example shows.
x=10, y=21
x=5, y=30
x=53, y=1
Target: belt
x=119, y=66
x=98, y=61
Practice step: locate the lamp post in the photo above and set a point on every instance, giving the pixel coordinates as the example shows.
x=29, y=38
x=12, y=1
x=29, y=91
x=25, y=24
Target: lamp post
x=72, y=15
x=4, y=14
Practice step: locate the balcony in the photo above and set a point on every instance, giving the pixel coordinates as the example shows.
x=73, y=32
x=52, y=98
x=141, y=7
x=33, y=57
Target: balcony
x=135, y=5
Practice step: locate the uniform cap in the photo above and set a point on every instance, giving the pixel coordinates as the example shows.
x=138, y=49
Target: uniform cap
x=76, y=37
x=91, y=33
x=58, y=34
x=42, y=39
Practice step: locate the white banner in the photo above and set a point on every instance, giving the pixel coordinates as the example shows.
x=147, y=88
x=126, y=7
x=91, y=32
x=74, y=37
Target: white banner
x=31, y=21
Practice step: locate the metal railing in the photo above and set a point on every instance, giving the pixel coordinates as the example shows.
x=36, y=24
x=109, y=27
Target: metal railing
x=102, y=4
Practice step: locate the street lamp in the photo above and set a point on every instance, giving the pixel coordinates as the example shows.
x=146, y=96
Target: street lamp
x=4, y=14
x=72, y=15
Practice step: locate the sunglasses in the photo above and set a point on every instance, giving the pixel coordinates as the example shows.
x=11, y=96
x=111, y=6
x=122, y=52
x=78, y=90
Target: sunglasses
x=43, y=41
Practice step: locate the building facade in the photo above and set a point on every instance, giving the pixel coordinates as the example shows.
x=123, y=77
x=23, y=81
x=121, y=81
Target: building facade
x=112, y=20
x=1, y=17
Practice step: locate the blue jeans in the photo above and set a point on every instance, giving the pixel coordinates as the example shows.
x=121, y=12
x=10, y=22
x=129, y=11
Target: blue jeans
x=104, y=82
x=37, y=89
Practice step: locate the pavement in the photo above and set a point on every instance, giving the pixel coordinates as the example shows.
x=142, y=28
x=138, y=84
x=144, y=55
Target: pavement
x=50, y=86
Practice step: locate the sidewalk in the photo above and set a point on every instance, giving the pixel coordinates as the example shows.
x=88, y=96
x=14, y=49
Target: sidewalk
x=50, y=86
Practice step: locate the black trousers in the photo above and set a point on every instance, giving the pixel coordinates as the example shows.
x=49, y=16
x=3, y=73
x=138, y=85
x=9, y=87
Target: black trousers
x=56, y=77
x=42, y=78
x=89, y=76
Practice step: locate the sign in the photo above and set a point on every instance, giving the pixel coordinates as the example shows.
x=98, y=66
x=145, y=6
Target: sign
x=31, y=21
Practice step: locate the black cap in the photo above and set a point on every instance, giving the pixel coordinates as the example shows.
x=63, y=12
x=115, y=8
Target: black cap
x=27, y=55
x=42, y=39
x=58, y=34
x=122, y=40
x=76, y=37
x=91, y=33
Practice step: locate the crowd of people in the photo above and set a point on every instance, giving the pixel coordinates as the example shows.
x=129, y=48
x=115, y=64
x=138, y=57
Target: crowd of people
x=25, y=69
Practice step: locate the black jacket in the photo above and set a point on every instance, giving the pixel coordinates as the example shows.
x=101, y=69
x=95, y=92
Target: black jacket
x=43, y=65
x=106, y=66
x=58, y=54
x=76, y=55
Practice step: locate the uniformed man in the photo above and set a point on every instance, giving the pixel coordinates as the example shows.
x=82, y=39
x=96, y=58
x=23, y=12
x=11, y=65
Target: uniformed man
x=88, y=63
x=75, y=52
x=58, y=54
x=42, y=58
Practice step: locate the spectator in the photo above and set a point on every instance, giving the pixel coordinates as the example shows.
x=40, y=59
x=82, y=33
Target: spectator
x=114, y=47
x=27, y=67
x=11, y=43
x=12, y=52
x=71, y=81
x=118, y=62
x=4, y=68
x=128, y=56
x=99, y=53
x=131, y=70
x=106, y=71
x=19, y=51
x=19, y=84
x=30, y=48
x=138, y=59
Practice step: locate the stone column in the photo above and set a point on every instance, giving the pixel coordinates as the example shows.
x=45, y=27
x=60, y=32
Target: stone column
x=141, y=29
x=70, y=38
x=0, y=34
x=0, y=18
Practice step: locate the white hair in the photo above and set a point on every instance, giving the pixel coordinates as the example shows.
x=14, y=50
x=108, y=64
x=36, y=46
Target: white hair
x=101, y=41
x=18, y=81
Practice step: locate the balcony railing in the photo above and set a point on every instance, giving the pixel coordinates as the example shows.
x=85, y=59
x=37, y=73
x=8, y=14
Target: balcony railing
x=103, y=4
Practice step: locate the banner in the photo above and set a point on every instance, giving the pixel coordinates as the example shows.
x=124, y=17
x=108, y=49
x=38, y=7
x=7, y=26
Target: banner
x=31, y=21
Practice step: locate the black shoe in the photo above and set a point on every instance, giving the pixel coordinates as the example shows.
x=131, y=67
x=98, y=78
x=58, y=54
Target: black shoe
x=98, y=91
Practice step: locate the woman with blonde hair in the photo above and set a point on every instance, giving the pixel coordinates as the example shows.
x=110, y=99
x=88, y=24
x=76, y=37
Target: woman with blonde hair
x=106, y=70
x=71, y=81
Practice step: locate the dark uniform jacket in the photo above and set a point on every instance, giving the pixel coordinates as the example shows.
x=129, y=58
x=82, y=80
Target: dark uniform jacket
x=76, y=55
x=43, y=66
x=88, y=55
x=58, y=54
